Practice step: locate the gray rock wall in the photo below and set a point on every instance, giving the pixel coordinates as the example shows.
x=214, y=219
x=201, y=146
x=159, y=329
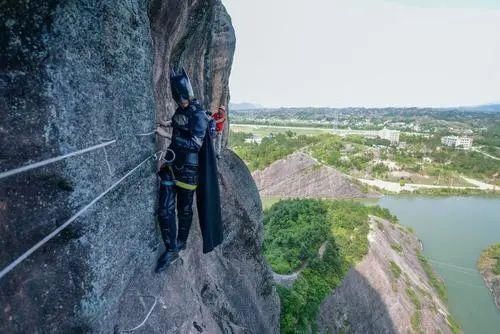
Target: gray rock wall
x=197, y=35
x=75, y=74
x=229, y=290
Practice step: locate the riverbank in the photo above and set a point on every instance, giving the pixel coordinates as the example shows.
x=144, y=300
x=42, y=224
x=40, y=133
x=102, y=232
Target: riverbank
x=489, y=266
x=478, y=188
x=454, y=230
x=389, y=291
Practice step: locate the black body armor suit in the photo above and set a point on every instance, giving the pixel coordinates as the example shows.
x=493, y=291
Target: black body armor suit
x=194, y=165
x=180, y=178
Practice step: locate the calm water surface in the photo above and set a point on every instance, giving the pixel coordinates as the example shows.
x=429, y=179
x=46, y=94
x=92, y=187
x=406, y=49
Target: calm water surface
x=454, y=231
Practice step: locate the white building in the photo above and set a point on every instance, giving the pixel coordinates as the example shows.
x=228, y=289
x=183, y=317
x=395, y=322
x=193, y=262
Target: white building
x=457, y=142
x=464, y=142
x=449, y=140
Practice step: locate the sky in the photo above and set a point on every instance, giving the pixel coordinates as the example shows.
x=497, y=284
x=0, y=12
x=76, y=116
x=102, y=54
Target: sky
x=372, y=53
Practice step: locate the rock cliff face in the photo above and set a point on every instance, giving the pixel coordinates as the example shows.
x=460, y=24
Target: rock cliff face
x=229, y=290
x=197, y=35
x=75, y=74
x=387, y=292
x=299, y=175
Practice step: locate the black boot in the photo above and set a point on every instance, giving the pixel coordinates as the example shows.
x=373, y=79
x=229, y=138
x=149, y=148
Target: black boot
x=181, y=245
x=168, y=228
x=184, y=227
x=167, y=258
x=171, y=253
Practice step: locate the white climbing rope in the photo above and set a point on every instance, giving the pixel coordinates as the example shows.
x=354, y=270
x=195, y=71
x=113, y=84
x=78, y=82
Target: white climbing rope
x=163, y=156
x=62, y=157
x=21, y=258
x=145, y=134
x=52, y=160
x=451, y=265
x=145, y=319
x=465, y=283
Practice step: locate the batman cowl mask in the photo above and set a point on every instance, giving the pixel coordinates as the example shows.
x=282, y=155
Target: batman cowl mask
x=181, y=86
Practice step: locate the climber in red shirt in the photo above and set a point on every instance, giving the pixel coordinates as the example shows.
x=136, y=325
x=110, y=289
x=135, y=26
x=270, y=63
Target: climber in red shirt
x=220, y=118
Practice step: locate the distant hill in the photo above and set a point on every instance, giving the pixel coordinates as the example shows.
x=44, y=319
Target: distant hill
x=485, y=107
x=299, y=175
x=492, y=107
x=244, y=106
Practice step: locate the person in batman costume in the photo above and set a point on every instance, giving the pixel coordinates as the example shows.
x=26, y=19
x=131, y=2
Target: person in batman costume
x=191, y=167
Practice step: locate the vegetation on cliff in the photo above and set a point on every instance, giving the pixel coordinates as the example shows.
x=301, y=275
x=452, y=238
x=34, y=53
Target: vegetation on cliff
x=490, y=259
x=489, y=266
x=294, y=232
x=436, y=282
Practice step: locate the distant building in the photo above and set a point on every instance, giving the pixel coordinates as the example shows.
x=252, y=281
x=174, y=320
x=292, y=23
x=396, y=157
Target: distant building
x=457, y=142
x=464, y=142
x=449, y=141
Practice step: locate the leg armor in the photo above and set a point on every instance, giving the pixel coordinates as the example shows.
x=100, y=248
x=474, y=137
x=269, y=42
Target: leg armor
x=166, y=210
x=189, y=175
x=185, y=214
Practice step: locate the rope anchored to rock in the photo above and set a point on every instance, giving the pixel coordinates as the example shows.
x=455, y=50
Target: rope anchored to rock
x=168, y=156
x=55, y=159
x=39, y=244
x=49, y=161
x=145, y=319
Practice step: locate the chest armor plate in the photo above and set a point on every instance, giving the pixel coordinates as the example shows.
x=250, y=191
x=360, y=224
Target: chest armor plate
x=180, y=121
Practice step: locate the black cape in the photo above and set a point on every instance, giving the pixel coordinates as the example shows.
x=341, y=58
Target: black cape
x=208, y=197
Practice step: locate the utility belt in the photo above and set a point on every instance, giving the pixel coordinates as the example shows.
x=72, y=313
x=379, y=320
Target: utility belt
x=182, y=172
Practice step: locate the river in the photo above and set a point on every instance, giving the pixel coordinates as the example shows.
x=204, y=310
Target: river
x=454, y=230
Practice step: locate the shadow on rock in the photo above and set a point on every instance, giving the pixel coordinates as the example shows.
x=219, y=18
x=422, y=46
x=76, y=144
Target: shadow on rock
x=354, y=307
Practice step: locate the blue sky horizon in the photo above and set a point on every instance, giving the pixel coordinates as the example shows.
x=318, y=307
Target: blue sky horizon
x=366, y=53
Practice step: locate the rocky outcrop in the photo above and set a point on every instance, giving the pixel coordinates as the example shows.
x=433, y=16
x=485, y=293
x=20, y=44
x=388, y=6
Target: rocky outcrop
x=197, y=35
x=487, y=264
x=74, y=74
x=299, y=175
x=387, y=292
x=229, y=290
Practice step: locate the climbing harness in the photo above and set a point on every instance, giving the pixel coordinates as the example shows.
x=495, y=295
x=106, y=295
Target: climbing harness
x=163, y=156
x=178, y=183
